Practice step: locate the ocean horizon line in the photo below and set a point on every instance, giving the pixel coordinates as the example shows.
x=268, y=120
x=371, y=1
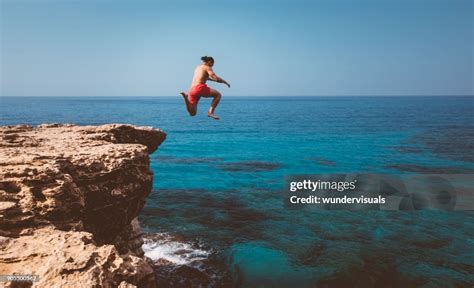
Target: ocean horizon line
x=231, y=96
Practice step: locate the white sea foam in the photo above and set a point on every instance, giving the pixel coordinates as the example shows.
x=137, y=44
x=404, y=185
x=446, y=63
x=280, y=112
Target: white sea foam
x=163, y=246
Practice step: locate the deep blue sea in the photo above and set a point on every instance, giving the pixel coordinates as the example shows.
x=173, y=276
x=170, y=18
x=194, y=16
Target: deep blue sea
x=216, y=215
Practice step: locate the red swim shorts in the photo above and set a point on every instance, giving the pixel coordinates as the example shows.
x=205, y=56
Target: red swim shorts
x=197, y=91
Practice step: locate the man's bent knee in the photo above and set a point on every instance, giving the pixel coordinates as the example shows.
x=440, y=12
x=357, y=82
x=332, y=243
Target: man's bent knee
x=215, y=93
x=192, y=110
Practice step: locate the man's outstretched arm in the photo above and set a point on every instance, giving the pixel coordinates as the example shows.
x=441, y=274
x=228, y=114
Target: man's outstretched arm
x=215, y=78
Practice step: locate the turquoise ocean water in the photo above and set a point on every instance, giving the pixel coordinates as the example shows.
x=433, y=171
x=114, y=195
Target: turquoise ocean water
x=216, y=214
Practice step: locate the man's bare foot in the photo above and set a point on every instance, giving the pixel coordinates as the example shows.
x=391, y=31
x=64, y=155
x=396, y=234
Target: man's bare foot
x=184, y=95
x=215, y=117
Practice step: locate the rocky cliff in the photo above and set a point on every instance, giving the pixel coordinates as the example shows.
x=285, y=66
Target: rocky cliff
x=69, y=198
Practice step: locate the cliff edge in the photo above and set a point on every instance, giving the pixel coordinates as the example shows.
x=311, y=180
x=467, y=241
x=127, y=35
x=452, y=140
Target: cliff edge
x=69, y=198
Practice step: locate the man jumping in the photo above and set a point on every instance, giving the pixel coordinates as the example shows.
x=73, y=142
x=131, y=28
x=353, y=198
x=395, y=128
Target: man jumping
x=202, y=73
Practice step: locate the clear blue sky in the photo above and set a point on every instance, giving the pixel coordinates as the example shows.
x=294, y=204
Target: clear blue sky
x=320, y=47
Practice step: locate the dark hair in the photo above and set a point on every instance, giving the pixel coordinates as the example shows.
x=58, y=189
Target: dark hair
x=207, y=58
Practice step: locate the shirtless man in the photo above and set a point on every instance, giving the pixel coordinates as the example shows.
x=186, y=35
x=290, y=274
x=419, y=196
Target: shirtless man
x=202, y=73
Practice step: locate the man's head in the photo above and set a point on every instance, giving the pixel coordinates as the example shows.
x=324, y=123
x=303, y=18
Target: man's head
x=208, y=60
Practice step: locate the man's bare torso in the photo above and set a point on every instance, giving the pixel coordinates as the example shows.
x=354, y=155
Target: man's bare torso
x=200, y=75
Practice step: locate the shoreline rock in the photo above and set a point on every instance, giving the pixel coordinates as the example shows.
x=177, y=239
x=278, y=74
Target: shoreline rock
x=69, y=198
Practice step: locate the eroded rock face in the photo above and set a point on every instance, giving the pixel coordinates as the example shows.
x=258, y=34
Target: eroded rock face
x=79, y=187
